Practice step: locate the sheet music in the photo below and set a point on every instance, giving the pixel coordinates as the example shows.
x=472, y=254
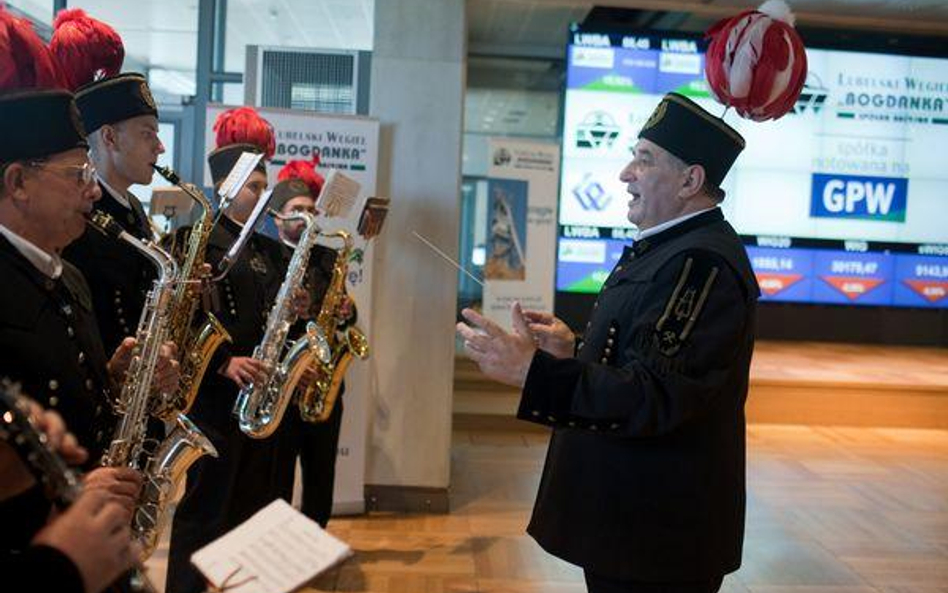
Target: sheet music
x=248, y=229
x=276, y=551
x=338, y=195
x=238, y=176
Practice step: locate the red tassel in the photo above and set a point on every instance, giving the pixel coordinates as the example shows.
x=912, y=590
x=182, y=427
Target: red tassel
x=25, y=61
x=87, y=48
x=244, y=125
x=306, y=172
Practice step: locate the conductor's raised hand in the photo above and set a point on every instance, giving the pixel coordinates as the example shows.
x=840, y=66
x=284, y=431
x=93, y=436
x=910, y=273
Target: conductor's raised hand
x=552, y=335
x=501, y=355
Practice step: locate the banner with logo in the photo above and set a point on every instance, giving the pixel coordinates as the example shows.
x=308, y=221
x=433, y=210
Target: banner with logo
x=350, y=145
x=520, y=250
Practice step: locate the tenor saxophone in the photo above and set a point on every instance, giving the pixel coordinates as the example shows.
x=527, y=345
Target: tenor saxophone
x=260, y=407
x=196, y=346
x=162, y=467
x=316, y=402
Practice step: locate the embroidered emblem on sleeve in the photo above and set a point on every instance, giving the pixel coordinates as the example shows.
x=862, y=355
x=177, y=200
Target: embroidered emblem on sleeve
x=683, y=308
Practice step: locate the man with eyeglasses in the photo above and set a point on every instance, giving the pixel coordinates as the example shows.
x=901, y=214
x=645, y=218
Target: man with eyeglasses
x=49, y=341
x=48, y=336
x=121, y=118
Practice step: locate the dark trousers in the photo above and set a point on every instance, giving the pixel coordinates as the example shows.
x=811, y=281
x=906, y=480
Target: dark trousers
x=318, y=445
x=600, y=584
x=222, y=493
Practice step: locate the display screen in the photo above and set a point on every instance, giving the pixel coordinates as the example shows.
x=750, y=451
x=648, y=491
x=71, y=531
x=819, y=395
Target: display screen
x=843, y=200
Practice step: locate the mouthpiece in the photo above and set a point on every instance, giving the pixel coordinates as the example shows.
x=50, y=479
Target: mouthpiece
x=168, y=173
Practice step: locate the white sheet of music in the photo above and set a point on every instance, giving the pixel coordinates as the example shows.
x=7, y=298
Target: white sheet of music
x=338, y=195
x=276, y=551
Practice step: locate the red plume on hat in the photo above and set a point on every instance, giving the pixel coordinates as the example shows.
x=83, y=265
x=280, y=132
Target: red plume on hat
x=305, y=171
x=244, y=125
x=87, y=48
x=756, y=62
x=25, y=61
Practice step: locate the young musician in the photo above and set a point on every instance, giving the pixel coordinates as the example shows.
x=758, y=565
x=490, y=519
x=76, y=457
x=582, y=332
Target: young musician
x=222, y=493
x=316, y=444
x=121, y=119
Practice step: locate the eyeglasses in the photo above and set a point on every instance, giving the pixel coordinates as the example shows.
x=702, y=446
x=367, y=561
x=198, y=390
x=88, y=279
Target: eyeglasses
x=84, y=173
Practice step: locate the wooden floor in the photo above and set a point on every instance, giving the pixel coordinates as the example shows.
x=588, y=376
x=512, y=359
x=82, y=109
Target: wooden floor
x=811, y=383
x=852, y=364
x=831, y=510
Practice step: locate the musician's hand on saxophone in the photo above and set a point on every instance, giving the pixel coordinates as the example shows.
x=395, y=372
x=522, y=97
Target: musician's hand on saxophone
x=121, y=358
x=94, y=534
x=198, y=289
x=302, y=303
x=307, y=379
x=121, y=485
x=345, y=311
x=167, y=371
x=244, y=370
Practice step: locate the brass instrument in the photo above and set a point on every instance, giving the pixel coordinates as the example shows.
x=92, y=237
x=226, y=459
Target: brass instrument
x=317, y=401
x=196, y=346
x=260, y=407
x=165, y=466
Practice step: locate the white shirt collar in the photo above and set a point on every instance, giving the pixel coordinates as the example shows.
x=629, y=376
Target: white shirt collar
x=50, y=265
x=119, y=197
x=652, y=231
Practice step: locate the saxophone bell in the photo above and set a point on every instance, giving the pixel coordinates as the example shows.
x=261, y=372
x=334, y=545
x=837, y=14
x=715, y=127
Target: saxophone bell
x=260, y=406
x=317, y=401
x=166, y=469
x=196, y=345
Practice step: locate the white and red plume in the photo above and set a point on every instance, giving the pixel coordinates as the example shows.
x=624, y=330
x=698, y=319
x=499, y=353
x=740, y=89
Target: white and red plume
x=756, y=62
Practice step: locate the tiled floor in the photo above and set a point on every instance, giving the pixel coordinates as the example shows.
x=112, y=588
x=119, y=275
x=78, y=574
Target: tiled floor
x=831, y=510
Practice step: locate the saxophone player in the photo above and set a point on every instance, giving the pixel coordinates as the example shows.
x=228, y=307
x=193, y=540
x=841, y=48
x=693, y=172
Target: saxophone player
x=121, y=119
x=315, y=444
x=248, y=474
x=49, y=341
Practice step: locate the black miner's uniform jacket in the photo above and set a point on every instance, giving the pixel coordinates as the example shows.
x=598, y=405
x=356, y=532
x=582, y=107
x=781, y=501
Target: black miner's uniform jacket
x=118, y=274
x=49, y=343
x=644, y=476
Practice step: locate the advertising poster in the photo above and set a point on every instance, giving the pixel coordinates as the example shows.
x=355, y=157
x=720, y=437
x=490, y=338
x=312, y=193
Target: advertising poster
x=506, y=230
x=520, y=249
